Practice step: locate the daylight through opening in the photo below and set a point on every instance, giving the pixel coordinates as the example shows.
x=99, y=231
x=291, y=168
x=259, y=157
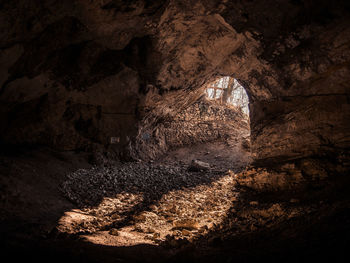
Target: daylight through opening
x=228, y=91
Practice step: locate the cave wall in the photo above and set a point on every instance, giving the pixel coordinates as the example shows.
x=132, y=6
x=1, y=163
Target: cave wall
x=306, y=74
x=292, y=57
x=203, y=121
x=78, y=74
x=71, y=72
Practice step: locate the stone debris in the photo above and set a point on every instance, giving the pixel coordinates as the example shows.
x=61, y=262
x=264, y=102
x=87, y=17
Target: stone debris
x=170, y=206
x=197, y=166
x=294, y=200
x=188, y=224
x=186, y=232
x=114, y=232
x=265, y=181
x=156, y=200
x=87, y=187
x=289, y=176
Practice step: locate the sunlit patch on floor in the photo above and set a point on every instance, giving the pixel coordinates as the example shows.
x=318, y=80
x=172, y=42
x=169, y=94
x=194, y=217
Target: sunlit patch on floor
x=198, y=207
x=186, y=213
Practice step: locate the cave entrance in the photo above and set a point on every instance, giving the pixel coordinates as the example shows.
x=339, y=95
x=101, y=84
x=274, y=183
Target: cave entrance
x=214, y=129
x=227, y=90
x=229, y=110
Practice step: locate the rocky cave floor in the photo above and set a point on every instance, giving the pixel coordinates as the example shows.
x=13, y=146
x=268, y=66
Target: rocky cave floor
x=164, y=210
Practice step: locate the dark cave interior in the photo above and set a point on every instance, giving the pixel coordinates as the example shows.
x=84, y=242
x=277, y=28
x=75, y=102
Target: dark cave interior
x=174, y=130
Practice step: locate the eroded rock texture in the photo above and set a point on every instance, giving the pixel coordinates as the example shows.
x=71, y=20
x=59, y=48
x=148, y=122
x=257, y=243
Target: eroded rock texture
x=78, y=74
x=203, y=121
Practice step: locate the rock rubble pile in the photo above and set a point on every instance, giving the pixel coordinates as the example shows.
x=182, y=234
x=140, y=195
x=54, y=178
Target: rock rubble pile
x=87, y=187
x=156, y=200
x=170, y=205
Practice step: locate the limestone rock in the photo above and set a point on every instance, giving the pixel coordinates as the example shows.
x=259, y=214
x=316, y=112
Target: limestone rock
x=265, y=181
x=197, y=166
x=189, y=224
x=114, y=232
x=71, y=82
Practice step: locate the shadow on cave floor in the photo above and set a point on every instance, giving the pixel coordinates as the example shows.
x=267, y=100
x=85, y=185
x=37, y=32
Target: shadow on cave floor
x=236, y=226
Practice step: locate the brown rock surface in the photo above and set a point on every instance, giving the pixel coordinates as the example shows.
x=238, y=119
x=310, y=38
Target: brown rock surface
x=75, y=75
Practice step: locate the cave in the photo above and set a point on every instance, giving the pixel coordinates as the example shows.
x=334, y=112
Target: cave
x=174, y=130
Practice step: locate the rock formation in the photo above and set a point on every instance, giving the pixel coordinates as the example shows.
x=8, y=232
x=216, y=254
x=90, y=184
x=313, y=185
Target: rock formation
x=87, y=74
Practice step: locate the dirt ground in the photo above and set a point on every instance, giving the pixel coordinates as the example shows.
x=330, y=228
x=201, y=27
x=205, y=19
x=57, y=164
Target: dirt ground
x=56, y=206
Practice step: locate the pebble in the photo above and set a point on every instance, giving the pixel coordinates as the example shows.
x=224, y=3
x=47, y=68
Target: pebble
x=294, y=200
x=254, y=203
x=185, y=232
x=114, y=232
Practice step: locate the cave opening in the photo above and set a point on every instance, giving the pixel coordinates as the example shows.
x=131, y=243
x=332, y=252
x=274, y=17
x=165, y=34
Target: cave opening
x=229, y=91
